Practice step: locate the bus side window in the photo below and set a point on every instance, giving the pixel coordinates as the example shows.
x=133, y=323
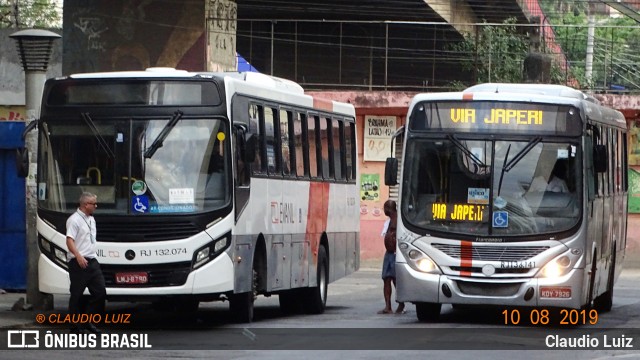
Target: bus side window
x=288, y=156
x=270, y=140
x=299, y=141
x=256, y=128
x=324, y=141
x=314, y=155
x=350, y=151
x=336, y=146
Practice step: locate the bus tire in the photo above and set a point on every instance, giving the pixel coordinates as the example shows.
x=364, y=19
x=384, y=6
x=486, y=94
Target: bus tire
x=604, y=302
x=428, y=311
x=316, y=297
x=241, y=305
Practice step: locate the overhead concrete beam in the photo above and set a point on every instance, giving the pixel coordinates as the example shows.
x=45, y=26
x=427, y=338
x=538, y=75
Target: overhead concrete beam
x=457, y=13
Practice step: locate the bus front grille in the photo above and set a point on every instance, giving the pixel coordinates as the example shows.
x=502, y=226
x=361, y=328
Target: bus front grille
x=491, y=253
x=120, y=231
x=488, y=289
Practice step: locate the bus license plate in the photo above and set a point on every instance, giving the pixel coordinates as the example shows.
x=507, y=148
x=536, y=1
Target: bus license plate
x=132, y=278
x=555, y=292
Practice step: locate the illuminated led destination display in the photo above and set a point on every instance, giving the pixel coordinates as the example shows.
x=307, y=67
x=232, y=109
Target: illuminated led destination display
x=459, y=212
x=496, y=117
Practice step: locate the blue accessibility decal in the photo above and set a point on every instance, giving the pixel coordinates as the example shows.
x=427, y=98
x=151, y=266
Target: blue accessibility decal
x=500, y=219
x=140, y=204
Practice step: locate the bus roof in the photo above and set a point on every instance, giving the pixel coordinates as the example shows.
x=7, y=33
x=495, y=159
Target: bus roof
x=267, y=86
x=539, y=89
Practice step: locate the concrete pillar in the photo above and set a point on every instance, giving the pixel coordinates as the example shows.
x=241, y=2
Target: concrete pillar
x=456, y=12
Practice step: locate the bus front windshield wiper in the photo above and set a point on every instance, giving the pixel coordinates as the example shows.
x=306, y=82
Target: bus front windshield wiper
x=466, y=151
x=103, y=143
x=158, y=142
x=507, y=166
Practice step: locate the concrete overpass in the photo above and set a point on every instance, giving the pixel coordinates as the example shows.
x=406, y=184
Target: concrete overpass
x=368, y=44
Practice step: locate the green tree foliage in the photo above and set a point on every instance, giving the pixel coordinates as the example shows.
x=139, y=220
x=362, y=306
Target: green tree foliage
x=22, y=14
x=496, y=53
x=616, y=40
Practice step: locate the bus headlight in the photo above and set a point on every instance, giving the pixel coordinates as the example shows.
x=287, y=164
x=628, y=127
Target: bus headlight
x=421, y=262
x=53, y=252
x=211, y=250
x=556, y=267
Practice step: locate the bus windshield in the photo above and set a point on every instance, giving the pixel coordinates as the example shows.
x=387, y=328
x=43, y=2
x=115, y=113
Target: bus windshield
x=491, y=187
x=173, y=164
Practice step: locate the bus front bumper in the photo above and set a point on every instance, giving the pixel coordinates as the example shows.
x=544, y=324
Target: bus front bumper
x=215, y=277
x=414, y=286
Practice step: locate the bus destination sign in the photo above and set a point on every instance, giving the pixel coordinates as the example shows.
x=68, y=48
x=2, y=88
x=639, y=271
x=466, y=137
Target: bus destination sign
x=458, y=212
x=496, y=117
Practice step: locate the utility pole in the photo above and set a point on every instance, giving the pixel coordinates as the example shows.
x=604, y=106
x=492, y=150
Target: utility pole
x=34, y=48
x=588, y=71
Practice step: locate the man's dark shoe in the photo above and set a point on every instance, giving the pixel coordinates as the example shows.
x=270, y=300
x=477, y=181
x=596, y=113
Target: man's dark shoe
x=93, y=329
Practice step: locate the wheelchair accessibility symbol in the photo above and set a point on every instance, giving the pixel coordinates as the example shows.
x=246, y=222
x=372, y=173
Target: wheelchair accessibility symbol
x=500, y=219
x=140, y=204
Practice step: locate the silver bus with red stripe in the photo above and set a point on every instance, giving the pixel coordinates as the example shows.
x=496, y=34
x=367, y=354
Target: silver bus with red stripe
x=510, y=195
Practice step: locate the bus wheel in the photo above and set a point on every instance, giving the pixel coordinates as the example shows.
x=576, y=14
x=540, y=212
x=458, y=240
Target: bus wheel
x=604, y=302
x=428, y=311
x=241, y=305
x=316, y=297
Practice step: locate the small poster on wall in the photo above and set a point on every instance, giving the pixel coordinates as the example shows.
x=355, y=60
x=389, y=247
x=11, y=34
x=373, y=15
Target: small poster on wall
x=378, y=131
x=370, y=187
x=370, y=206
x=634, y=191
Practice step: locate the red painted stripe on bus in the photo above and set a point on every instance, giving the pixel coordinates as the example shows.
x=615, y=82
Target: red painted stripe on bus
x=466, y=257
x=322, y=104
x=317, y=215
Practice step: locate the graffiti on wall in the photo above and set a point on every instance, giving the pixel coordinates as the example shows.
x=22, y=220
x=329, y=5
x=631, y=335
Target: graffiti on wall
x=12, y=113
x=112, y=35
x=221, y=26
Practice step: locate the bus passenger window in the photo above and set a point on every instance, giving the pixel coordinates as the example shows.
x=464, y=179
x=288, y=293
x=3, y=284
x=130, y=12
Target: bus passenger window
x=324, y=140
x=270, y=140
x=256, y=127
x=298, y=140
x=313, y=146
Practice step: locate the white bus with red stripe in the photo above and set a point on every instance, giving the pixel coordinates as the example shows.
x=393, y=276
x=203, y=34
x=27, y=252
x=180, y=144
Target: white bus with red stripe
x=211, y=186
x=510, y=195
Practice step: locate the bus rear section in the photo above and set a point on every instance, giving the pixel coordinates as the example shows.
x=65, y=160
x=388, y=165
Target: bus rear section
x=502, y=202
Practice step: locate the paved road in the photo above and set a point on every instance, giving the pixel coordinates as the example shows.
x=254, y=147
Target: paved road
x=351, y=322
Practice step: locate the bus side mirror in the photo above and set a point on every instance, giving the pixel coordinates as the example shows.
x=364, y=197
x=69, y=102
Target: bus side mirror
x=250, y=143
x=22, y=162
x=600, y=163
x=391, y=172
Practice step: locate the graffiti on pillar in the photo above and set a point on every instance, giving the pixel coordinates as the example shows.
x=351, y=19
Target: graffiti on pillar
x=91, y=27
x=221, y=27
x=115, y=35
